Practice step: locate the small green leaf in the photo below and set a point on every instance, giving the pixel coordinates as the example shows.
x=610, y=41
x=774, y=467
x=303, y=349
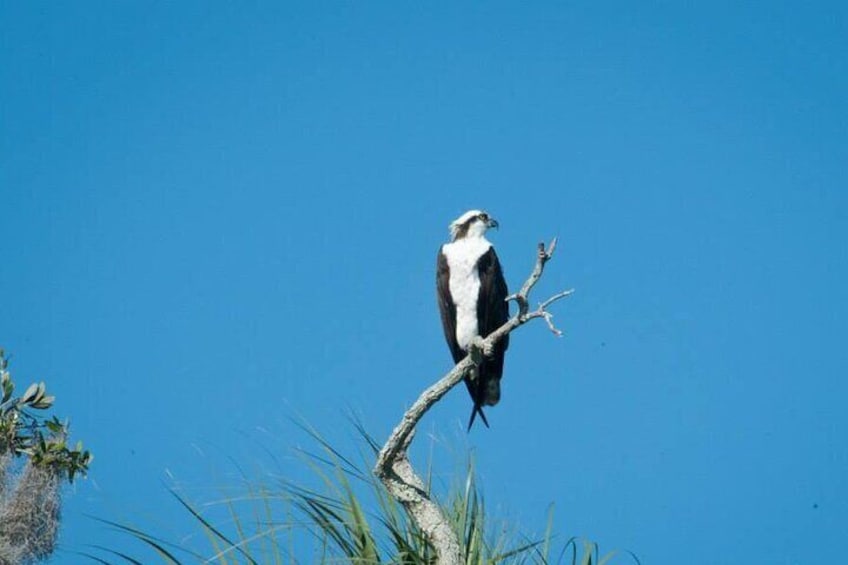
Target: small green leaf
x=7, y=385
x=39, y=394
x=30, y=393
x=44, y=402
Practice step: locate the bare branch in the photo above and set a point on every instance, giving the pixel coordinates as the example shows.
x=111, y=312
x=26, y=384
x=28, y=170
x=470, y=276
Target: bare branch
x=393, y=466
x=542, y=256
x=402, y=434
x=555, y=297
x=549, y=318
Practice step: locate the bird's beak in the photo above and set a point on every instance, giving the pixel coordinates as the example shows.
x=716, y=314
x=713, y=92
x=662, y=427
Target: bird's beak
x=493, y=223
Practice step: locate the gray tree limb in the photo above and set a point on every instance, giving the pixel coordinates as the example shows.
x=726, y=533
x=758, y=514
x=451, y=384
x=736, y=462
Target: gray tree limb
x=393, y=467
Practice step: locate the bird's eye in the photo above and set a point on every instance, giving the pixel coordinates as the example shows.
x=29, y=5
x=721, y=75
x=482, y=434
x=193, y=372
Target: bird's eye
x=483, y=217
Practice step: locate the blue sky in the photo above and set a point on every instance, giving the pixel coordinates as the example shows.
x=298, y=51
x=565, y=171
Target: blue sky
x=216, y=217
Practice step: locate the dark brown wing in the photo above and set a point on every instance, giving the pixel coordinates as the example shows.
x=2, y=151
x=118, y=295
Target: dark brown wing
x=492, y=312
x=492, y=308
x=446, y=306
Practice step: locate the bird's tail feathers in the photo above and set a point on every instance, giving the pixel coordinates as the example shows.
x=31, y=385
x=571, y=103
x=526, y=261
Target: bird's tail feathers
x=474, y=411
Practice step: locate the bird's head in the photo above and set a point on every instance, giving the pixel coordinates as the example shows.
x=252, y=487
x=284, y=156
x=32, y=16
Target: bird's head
x=473, y=223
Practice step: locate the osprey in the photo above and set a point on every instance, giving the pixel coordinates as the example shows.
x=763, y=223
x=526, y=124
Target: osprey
x=472, y=301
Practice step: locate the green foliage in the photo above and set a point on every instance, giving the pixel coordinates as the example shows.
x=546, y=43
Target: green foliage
x=348, y=516
x=43, y=440
x=30, y=491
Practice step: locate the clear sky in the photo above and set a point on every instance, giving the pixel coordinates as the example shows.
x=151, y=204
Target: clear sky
x=218, y=216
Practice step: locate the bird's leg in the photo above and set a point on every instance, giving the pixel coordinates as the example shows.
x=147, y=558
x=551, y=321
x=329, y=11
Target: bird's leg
x=479, y=344
x=476, y=350
x=473, y=373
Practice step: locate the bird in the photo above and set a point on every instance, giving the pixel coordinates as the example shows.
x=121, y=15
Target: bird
x=472, y=293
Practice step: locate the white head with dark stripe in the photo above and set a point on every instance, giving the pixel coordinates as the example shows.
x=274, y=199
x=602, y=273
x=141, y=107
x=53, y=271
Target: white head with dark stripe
x=471, y=224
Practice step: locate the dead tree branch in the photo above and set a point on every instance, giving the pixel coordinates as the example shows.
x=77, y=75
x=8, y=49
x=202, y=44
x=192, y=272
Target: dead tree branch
x=393, y=466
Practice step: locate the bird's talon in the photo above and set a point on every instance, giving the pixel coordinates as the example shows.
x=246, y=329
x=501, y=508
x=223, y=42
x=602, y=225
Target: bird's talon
x=475, y=349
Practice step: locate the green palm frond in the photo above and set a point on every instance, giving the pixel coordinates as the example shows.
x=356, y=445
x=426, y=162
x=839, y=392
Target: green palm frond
x=349, y=517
